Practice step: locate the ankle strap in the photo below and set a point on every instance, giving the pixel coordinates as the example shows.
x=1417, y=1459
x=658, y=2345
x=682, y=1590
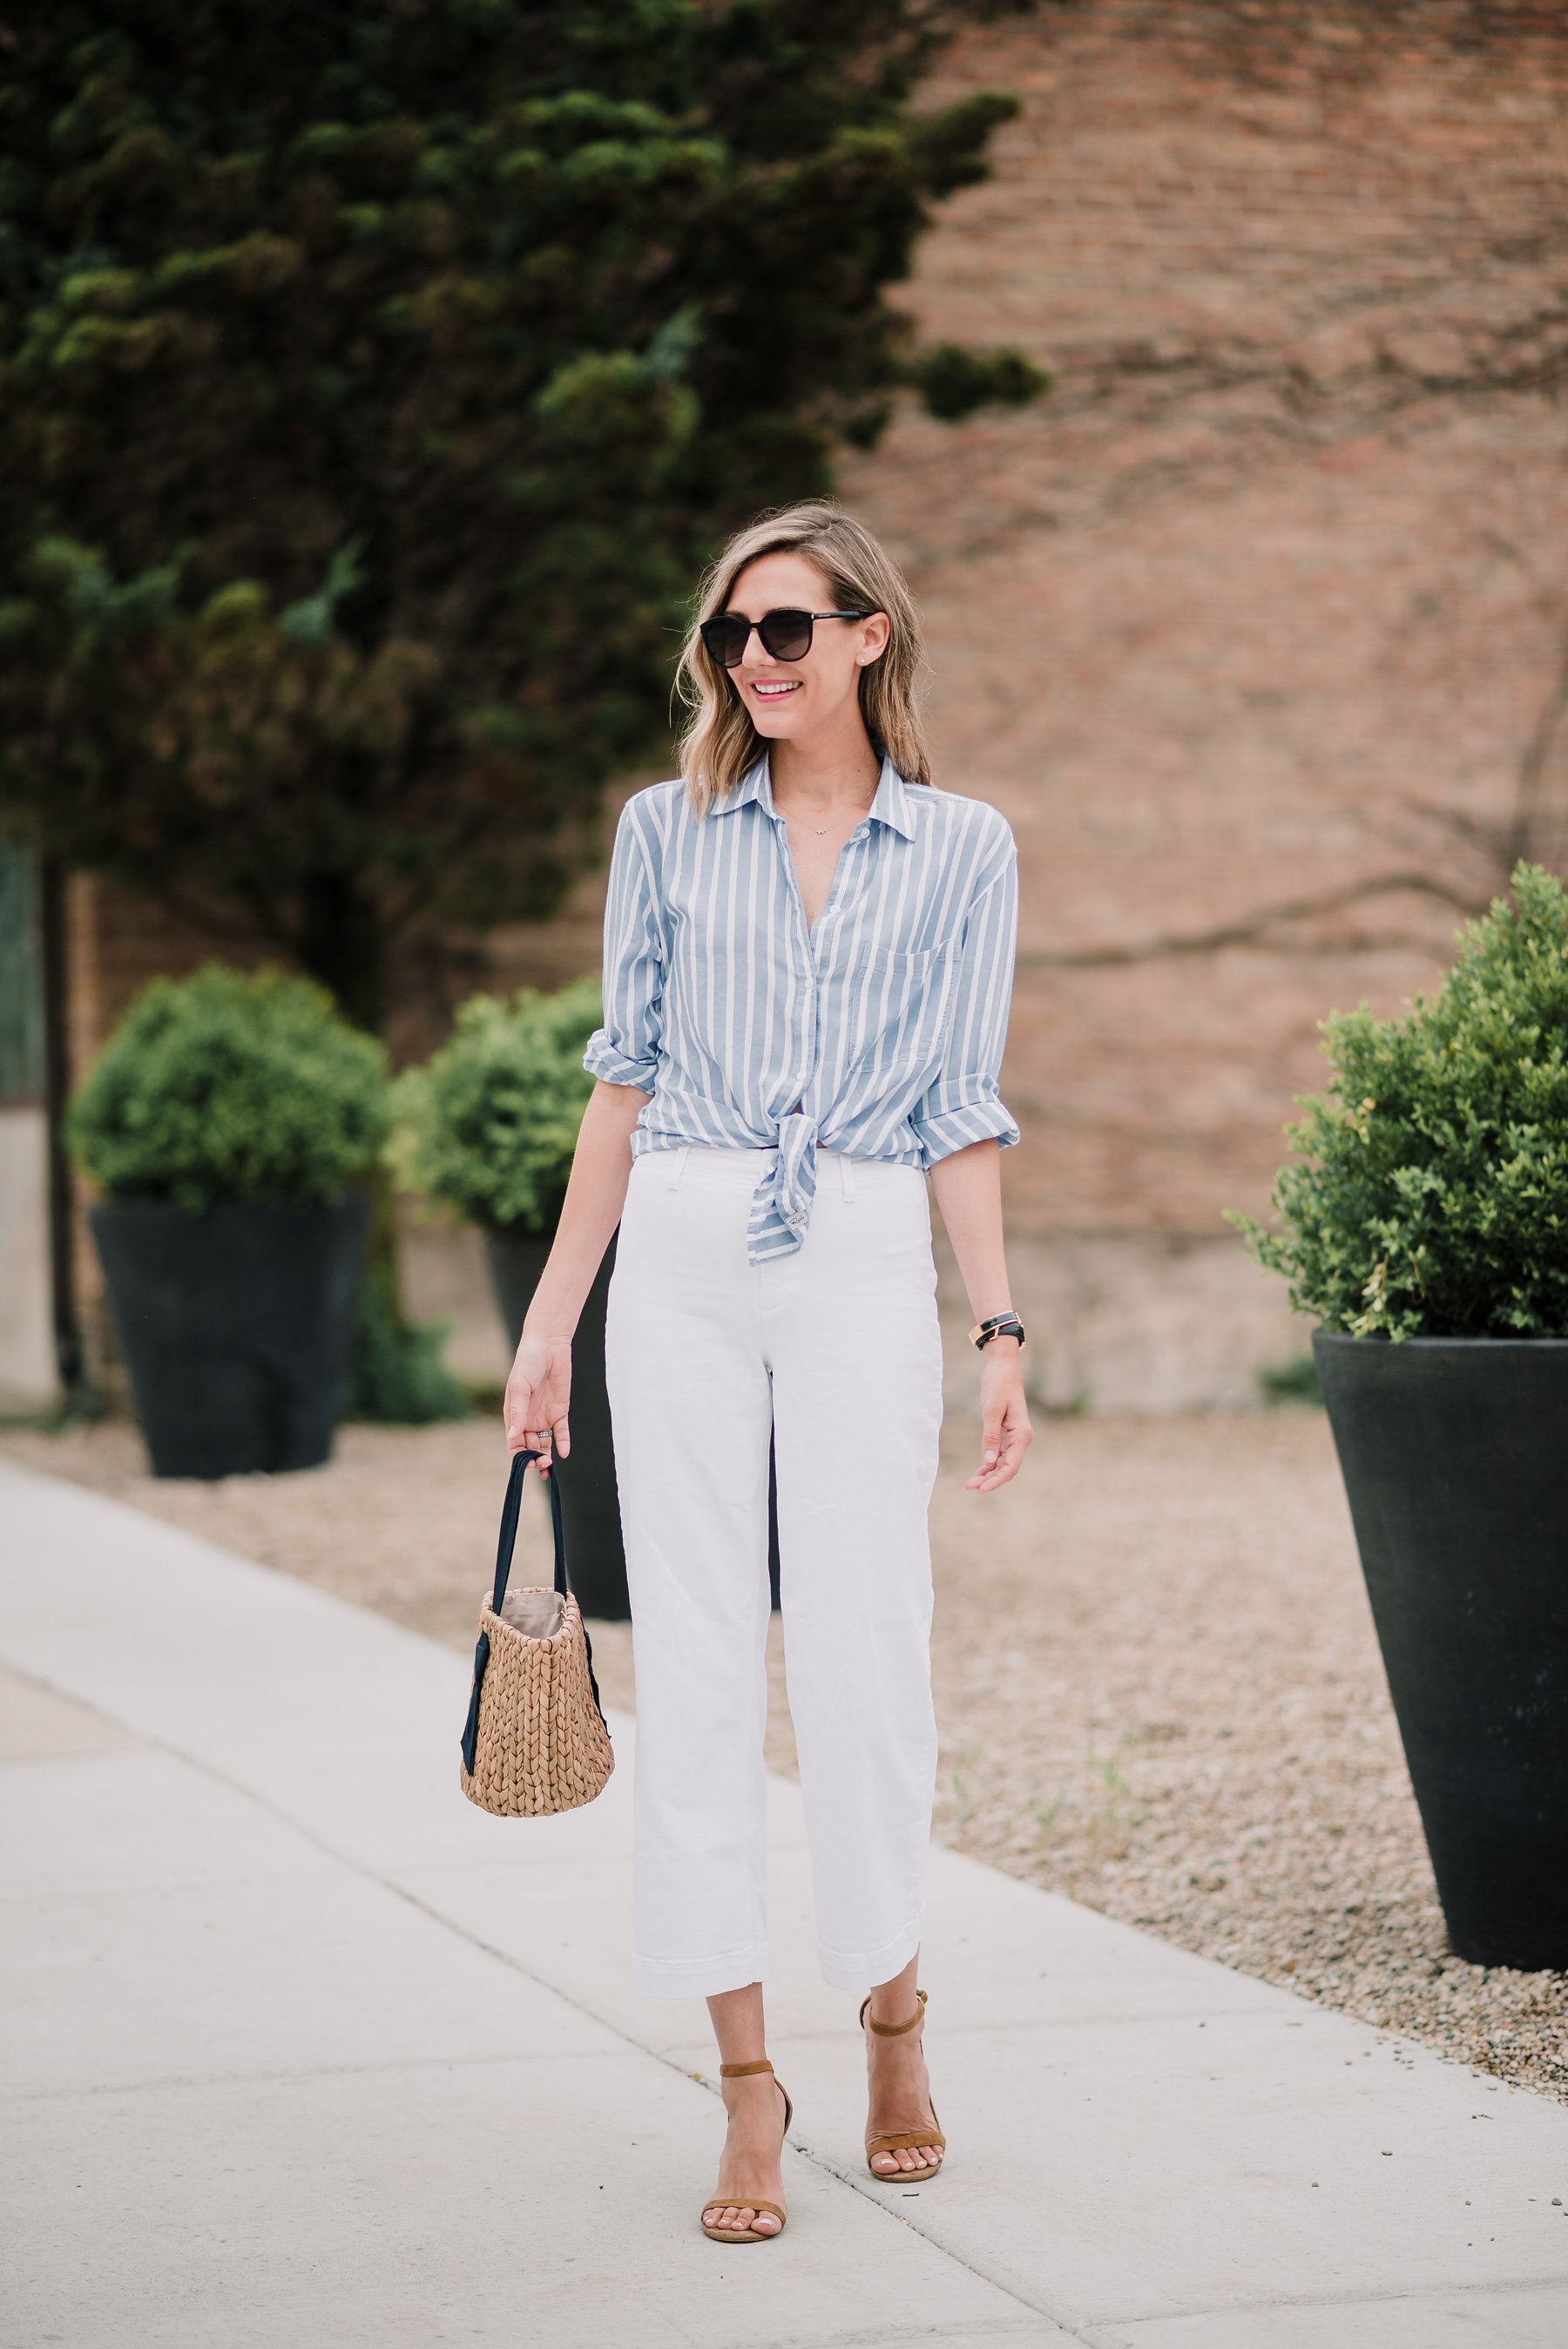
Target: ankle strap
x=741, y=2071
x=895, y=2030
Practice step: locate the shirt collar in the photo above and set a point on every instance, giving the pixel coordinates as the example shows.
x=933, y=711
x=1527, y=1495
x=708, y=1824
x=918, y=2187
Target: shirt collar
x=891, y=805
x=753, y=785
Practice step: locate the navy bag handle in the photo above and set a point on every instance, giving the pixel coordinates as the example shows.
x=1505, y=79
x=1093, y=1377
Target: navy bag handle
x=511, y=1510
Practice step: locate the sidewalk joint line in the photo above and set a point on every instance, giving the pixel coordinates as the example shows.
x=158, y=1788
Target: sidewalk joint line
x=1374, y=2296
x=271, y=2074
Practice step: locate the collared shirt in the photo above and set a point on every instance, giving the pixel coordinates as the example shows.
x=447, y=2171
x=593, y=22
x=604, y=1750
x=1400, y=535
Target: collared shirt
x=878, y=1032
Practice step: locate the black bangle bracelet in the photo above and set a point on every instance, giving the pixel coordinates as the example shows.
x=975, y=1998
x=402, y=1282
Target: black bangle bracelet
x=1010, y=1327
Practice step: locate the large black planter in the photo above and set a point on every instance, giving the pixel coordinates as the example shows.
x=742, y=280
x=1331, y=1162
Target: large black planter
x=236, y=1328
x=1455, y=1457
x=590, y=1502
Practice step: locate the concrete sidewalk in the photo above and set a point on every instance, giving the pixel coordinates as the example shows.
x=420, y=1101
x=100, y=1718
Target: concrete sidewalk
x=300, y=2048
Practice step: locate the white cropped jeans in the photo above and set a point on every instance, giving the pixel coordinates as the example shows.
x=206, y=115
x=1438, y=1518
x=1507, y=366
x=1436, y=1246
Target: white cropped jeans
x=836, y=1349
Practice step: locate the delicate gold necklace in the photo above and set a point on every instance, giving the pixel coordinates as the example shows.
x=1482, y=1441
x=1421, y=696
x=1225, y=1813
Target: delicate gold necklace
x=822, y=829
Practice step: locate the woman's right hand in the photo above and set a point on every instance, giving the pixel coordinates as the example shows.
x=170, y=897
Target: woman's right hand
x=538, y=1398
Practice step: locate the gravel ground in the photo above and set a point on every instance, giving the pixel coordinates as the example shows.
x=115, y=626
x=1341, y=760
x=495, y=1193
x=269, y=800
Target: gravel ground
x=1157, y=1682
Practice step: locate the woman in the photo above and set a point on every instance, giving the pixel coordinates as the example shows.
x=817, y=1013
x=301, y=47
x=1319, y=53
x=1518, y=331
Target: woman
x=808, y=962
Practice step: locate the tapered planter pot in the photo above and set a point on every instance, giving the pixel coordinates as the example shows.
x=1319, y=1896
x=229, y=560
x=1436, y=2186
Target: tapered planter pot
x=236, y=1326
x=590, y=1504
x=1455, y=1457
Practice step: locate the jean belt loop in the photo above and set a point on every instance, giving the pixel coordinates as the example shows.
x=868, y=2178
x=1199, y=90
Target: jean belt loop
x=847, y=1176
x=678, y=1166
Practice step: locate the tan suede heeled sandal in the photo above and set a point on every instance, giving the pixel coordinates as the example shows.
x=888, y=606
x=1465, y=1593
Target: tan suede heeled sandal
x=749, y=2202
x=911, y=2138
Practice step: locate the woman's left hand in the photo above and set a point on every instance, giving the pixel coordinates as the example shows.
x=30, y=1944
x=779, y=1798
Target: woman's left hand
x=1005, y=1431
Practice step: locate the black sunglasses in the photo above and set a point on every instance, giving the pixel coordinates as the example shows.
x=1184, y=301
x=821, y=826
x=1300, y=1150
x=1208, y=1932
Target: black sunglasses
x=785, y=635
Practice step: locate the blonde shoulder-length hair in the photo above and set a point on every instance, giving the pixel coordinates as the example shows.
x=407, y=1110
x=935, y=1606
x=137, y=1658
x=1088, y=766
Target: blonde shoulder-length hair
x=720, y=744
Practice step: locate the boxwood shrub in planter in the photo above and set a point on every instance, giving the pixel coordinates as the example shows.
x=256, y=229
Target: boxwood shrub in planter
x=231, y=1123
x=487, y=1128
x=1424, y=1223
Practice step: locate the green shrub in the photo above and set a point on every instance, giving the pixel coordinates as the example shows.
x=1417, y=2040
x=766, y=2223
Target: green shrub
x=1431, y=1199
x=396, y=1376
x=488, y=1125
x=229, y=1086
x=1293, y=1382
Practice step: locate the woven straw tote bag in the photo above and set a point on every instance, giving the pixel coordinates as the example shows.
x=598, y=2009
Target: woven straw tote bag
x=535, y=1738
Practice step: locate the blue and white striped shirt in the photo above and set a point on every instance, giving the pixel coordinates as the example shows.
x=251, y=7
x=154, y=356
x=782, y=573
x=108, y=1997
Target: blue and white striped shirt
x=879, y=1032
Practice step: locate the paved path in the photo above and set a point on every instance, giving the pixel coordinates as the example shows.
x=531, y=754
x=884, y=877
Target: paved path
x=300, y=2049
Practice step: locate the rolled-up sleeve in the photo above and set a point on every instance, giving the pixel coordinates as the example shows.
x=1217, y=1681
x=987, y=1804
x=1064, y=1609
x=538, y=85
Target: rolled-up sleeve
x=626, y=1049
x=964, y=1104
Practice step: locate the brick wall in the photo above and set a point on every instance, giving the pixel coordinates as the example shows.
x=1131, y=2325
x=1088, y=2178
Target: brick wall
x=1266, y=601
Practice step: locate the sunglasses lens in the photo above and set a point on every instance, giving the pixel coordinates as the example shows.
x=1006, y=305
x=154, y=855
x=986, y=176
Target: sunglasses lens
x=787, y=634
x=725, y=639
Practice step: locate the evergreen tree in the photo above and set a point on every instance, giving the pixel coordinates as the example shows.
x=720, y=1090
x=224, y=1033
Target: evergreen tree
x=373, y=380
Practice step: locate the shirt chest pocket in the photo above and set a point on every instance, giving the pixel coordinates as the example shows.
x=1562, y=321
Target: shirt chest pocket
x=899, y=1008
